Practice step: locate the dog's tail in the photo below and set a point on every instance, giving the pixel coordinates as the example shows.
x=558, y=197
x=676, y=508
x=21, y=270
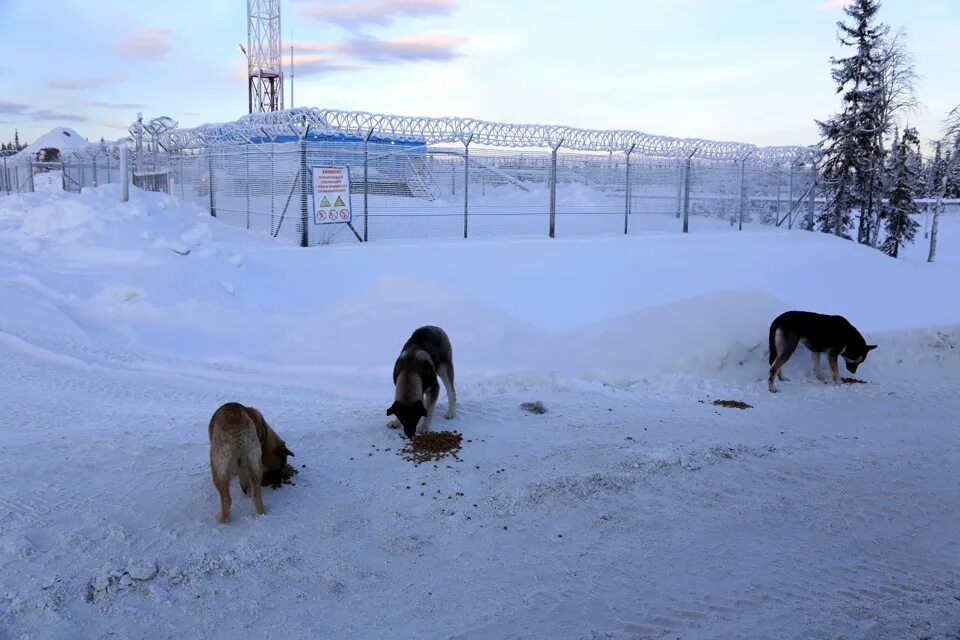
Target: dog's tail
x=773, y=342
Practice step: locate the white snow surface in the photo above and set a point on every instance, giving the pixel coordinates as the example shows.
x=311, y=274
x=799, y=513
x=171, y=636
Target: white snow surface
x=633, y=508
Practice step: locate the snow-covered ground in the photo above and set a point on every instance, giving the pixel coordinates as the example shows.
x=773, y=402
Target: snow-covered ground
x=634, y=508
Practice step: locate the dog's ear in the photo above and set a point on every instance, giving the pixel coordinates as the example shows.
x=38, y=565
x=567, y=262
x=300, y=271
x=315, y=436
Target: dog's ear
x=871, y=347
x=390, y=409
x=281, y=449
x=421, y=409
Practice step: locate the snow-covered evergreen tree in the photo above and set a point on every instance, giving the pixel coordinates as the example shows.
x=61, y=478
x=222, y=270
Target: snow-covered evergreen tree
x=904, y=175
x=16, y=141
x=853, y=152
x=948, y=167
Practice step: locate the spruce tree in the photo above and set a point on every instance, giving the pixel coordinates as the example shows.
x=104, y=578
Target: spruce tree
x=901, y=228
x=16, y=140
x=852, y=145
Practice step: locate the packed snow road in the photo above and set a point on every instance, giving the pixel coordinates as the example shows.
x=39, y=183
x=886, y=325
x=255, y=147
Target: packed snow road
x=821, y=512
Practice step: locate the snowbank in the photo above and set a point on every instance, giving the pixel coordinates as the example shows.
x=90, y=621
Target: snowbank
x=156, y=280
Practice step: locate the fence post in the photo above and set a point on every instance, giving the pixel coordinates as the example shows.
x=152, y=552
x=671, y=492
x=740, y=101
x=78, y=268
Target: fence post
x=553, y=189
x=686, y=193
x=183, y=196
x=466, y=182
x=366, y=183
x=790, y=210
x=629, y=196
x=305, y=188
x=743, y=171
x=124, y=173
x=33, y=186
x=108, y=167
x=812, y=203
x=94, y=171
x=6, y=175
x=246, y=158
x=273, y=168
x=680, y=170
x=82, y=172
x=212, y=185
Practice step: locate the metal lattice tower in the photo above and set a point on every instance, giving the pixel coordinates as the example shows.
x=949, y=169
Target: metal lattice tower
x=264, y=70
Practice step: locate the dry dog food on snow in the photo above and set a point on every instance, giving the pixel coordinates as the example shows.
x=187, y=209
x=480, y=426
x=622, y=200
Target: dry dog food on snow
x=276, y=478
x=732, y=404
x=432, y=446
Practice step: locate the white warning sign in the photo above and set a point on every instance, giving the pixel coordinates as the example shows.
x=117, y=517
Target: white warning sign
x=331, y=195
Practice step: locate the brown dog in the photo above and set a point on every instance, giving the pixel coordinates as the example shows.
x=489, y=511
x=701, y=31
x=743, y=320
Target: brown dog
x=243, y=444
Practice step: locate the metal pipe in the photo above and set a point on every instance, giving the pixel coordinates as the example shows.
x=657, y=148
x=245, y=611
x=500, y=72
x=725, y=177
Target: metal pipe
x=305, y=188
x=125, y=173
x=686, y=192
x=246, y=157
x=743, y=170
x=627, y=202
x=553, y=189
x=366, y=183
x=466, y=181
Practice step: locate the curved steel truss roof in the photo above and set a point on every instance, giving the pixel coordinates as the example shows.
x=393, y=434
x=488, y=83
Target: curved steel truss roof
x=360, y=124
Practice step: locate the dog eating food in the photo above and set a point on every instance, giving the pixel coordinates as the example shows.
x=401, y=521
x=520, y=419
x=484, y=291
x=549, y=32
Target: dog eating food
x=732, y=404
x=276, y=478
x=432, y=446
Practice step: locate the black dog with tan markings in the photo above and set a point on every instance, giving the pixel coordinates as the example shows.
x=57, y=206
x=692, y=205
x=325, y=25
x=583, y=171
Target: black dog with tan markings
x=819, y=333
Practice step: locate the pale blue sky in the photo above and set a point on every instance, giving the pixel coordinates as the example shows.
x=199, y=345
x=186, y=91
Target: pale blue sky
x=748, y=70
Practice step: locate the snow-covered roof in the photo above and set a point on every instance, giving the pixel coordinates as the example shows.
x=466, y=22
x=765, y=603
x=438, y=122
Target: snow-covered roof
x=62, y=138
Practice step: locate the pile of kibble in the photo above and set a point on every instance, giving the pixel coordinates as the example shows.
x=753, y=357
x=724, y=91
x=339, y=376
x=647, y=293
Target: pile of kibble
x=276, y=478
x=732, y=404
x=432, y=446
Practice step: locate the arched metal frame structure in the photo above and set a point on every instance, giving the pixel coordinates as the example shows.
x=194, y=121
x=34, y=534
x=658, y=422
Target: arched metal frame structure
x=434, y=131
x=431, y=131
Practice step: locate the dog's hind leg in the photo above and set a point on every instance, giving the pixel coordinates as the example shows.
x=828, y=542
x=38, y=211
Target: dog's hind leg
x=222, y=483
x=834, y=369
x=446, y=377
x=255, y=488
x=816, y=365
x=785, y=349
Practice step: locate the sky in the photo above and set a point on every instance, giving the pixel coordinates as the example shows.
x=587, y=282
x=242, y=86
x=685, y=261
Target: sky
x=754, y=71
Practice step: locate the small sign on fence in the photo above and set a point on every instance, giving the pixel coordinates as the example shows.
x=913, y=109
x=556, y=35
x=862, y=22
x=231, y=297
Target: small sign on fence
x=331, y=195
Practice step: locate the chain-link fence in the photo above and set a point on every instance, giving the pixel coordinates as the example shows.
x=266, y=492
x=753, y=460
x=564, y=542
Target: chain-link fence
x=405, y=191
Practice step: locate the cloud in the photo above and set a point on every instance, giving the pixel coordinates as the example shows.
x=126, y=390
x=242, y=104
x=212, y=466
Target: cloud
x=25, y=112
x=366, y=12
x=356, y=54
x=120, y=106
x=191, y=113
x=309, y=64
x=13, y=107
x=52, y=116
x=79, y=84
x=416, y=49
x=151, y=42
x=114, y=125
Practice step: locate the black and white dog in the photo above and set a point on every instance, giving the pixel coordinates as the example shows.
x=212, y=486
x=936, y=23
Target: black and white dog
x=426, y=356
